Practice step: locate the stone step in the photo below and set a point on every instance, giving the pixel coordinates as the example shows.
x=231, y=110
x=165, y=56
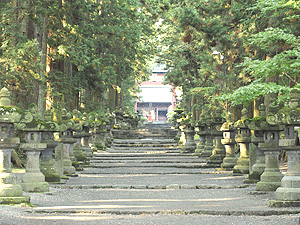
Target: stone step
x=145, y=160
x=145, y=165
x=155, y=125
x=208, y=176
x=138, y=145
x=145, y=170
x=158, y=187
x=141, y=154
x=160, y=133
x=148, y=151
x=173, y=201
x=150, y=140
x=210, y=179
x=145, y=148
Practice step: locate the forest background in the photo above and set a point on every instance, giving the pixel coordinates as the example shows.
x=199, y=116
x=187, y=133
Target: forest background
x=92, y=54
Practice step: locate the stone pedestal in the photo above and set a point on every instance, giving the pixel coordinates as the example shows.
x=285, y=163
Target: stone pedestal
x=85, y=145
x=99, y=139
x=108, y=136
x=68, y=168
x=33, y=180
x=201, y=132
x=79, y=153
x=218, y=152
x=209, y=146
x=201, y=145
x=259, y=165
x=257, y=157
x=59, y=159
x=78, y=150
x=47, y=164
x=10, y=190
x=242, y=166
x=71, y=142
x=80, y=159
x=190, y=144
x=270, y=179
x=68, y=142
x=289, y=193
x=230, y=159
x=242, y=137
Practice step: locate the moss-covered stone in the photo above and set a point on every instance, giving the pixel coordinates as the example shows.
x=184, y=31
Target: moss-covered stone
x=52, y=177
x=15, y=200
x=35, y=187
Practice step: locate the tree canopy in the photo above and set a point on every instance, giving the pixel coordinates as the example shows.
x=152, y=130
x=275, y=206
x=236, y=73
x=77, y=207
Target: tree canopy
x=259, y=41
x=93, y=53
x=75, y=49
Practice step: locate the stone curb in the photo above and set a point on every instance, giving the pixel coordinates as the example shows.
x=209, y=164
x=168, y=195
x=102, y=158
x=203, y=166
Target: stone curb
x=140, y=161
x=139, y=154
x=158, y=165
x=160, y=173
x=167, y=187
x=175, y=212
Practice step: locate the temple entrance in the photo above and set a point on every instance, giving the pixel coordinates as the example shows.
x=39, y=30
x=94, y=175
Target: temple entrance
x=162, y=115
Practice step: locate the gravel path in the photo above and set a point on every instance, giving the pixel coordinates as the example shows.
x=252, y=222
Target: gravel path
x=140, y=192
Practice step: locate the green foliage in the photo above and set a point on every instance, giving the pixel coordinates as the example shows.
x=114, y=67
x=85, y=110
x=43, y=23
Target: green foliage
x=246, y=94
x=92, y=45
x=19, y=56
x=97, y=45
x=259, y=40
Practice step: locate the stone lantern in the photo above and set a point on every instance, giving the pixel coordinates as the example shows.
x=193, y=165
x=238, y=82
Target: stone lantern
x=243, y=138
x=228, y=141
x=82, y=150
x=190, y=144
x=33, y=180
x=119, y=119
x=47, y=136
x=201, y=132
x=99, y=133
x=259, y=165
x=126, y=122
x=10, y=190
x=67, y=127
x=209, y=146
x=271, y=177
x=178, y=114
x=288, y=194
x=109, y=125
x=218, y=152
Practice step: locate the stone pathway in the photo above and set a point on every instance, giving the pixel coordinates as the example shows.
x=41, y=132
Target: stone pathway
x=149, y=187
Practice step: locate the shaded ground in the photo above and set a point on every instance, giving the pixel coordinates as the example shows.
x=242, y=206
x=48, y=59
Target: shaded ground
x=163, y=188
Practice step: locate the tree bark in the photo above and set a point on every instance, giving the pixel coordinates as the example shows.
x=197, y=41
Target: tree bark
x=42, y=39
x=15, y=159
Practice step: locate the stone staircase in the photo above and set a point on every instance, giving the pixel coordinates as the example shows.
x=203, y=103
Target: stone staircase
x=149, y=140
x=144, y=145
x=145, y=133
x=144, y=151
x=136, y=177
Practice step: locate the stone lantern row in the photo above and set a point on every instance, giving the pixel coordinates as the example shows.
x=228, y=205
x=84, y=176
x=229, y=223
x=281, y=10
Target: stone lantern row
x=70, y=147
x=264, y=132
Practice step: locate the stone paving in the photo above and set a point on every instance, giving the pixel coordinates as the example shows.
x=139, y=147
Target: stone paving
x=149, y=188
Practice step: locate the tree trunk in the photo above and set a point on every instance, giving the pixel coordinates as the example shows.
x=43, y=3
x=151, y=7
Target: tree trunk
x=16, y=160
x=42, y=39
